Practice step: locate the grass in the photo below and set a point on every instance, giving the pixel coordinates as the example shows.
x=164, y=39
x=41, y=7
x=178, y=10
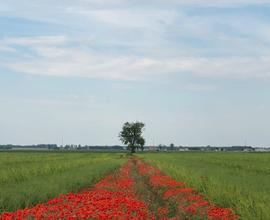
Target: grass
x=28, y=178
x=237, y=180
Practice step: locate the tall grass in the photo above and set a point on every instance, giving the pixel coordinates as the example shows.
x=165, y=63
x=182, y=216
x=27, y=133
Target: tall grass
x=237, y=180
x=28, y=178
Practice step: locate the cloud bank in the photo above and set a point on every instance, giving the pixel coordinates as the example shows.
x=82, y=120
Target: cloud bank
x=51, y=55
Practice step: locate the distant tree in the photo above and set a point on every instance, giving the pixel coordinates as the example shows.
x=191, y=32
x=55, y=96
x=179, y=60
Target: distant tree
x=131, y=135
x=171, y=145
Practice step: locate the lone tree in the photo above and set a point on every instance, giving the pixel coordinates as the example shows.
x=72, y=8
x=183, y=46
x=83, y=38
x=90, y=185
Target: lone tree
x=131, y=135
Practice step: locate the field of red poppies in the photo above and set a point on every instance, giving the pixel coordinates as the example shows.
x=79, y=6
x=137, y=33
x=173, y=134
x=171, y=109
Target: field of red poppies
x=135, y=191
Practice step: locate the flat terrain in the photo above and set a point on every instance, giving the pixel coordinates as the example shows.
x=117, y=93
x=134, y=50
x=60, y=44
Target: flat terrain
x=135, y=191
x=28, y=178
x=237, y=180
x=240, y=181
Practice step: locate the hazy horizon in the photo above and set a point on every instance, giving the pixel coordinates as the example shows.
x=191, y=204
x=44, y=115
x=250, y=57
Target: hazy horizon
x=195, y=72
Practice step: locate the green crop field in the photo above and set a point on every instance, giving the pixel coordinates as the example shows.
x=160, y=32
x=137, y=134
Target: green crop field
x=237, y=180
x=28, y=178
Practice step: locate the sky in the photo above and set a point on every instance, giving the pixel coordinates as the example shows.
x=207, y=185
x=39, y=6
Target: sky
x=195, y=72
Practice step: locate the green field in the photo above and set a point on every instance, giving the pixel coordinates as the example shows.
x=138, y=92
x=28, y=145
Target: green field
x=237, y=180
x=28, y=178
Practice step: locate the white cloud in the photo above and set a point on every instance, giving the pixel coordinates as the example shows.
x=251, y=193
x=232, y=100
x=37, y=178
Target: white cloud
x=71, y=12
x=161, y=24
x=52, y=57
x=127, y=17
x=4, y=48
x=78, y=63
x=32, y=41
x=232, y=67
x=116, y=3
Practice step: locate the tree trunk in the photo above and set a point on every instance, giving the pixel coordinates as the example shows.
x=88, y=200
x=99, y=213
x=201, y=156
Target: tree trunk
x=132, y=148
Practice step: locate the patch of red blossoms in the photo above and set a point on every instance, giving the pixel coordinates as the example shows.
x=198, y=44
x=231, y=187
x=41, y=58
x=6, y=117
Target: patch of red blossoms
x=190, y=204
x=163, y=181
x=111, y=198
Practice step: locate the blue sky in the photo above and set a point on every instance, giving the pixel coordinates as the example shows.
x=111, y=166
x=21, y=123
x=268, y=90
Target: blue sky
x=196, y=72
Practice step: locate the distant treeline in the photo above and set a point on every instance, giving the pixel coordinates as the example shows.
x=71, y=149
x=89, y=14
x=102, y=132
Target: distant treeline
x=56, y=147
x=38, y=146
x=122, y=148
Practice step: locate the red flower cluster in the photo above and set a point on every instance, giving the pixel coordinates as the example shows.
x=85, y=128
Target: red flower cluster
x=111, y=198
x=190, y=204
x=163, y=181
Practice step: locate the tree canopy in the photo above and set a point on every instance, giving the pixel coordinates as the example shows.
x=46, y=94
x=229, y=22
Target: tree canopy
x=131, y=135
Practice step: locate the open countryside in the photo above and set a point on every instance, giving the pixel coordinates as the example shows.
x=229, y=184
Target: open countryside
x=134, y=110
x=235, y=184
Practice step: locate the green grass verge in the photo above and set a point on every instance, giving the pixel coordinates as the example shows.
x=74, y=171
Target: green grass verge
x=28, y=178
x=237, y=180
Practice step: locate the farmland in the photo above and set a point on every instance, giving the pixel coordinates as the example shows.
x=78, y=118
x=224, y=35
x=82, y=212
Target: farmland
x=28, y=178
x=237, y=180
x=150, y=185
x=135, y=191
